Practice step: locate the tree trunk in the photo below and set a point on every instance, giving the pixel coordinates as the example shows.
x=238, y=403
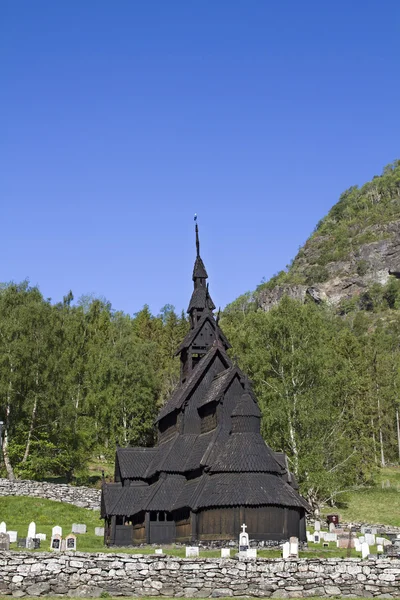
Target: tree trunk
x=398, y=430
x=7, y=463
x=31, y=427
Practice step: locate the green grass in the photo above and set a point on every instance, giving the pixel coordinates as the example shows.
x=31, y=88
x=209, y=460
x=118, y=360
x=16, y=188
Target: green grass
x=374, y=505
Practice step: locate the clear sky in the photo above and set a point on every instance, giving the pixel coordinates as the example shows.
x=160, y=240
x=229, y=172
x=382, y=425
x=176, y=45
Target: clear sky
x=121, y=119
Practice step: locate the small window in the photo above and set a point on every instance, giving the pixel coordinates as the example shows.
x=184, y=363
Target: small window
x=153, y=516
x=161, y=516
x=169, y=517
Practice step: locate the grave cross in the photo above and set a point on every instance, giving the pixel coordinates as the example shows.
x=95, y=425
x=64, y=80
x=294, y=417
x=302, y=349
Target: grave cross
x=244, y=527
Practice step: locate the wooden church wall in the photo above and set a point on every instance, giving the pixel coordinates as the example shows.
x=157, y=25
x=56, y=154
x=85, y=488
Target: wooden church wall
x=263, y=522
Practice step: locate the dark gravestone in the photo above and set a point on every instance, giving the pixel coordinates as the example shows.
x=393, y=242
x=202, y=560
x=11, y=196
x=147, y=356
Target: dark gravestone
x=4, y=541
x=21, y=542
x=56, y=543
x=70, y=542
x=36, y=543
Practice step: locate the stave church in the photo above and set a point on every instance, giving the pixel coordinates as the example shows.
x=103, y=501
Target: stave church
x=211, y=470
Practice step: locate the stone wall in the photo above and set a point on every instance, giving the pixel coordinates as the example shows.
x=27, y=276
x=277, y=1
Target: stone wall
x=83, y=497
x=92, y=575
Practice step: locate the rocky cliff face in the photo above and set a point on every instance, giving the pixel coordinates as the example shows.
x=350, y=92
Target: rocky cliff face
x=355, y=246
x=369, y=264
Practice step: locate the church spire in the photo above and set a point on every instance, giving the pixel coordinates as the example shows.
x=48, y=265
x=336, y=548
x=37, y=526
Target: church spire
x=201, y=299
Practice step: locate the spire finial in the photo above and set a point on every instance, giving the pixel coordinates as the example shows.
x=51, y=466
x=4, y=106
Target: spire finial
x=197, y=236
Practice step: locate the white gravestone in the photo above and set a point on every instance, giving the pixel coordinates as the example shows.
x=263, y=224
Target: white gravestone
x=13, y=536
x=310, y=537
x=374, y=530
x=379, y=540
x=57, y=530
x=192, y=551
x=70, y=542
x=3, y=527
x=41, y=536
x=99, y=531
x=364, y=550
x=286, y=550
x=332, y=527
x=78, y=528
x=317, y=525
x=55, y=542
x=225, y=552
x=379, y=548
x=294, y=547
x=330, y=537
x=243, y=539
x=31, y=530
x=361, y=539
x=158, y=551
x=370, y=539
x=357, y=545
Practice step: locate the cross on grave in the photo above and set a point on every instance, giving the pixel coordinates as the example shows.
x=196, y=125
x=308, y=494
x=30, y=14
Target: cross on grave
x=244, y=527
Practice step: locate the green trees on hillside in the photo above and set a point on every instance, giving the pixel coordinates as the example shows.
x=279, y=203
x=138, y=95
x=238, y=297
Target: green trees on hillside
x=327, y=389
x=75, y=380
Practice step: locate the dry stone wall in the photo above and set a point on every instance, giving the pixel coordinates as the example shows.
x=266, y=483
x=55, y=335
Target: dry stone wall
x=94, y=575
x=81, y=496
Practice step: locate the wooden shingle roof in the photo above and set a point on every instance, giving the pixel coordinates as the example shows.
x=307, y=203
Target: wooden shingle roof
x=134, y=462
x=241, y=453
x=247, y=489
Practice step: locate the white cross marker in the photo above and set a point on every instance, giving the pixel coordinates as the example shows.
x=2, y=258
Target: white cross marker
x=244, y=527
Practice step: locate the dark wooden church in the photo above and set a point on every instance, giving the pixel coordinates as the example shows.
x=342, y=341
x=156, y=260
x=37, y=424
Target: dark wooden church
x=211, y=470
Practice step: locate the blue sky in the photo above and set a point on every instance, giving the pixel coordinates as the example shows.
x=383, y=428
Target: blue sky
x=120, y=120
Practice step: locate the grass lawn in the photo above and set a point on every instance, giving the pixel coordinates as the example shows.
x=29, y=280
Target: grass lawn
x=373, y=505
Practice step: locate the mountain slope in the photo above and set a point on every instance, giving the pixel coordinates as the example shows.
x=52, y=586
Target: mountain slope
x=356, y=245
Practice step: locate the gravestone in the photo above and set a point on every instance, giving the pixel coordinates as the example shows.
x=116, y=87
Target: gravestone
x=99, y=531
x=4, y=541
x=379, y=540
x=192, y=551
x=364, y=550
x=310, y=537
x=251, y=553
x=41, y=536
x=31, y=530
x=3, y=527
x=379, y=548
x=30, y=544
x=316, y=538
x=158, y=551
x=332, y=527
x=374, y=530
x=13, y=536
x=286, y=550
x=55, y=542
x=362, y=539
x=330, y=537
x=57, y=530
x=294, y=547
x=21, y=542
x=225, y=552
x=325, y=545
x=243, y=539
x=370, y=539
x=346, y=542
x=78, y=528
x=363, y=527
x=36, y=543
x=70, y=542
x=317, y=525
x=357, y=545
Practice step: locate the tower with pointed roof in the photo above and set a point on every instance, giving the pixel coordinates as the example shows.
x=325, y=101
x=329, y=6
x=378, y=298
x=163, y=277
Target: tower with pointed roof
x=211, y=470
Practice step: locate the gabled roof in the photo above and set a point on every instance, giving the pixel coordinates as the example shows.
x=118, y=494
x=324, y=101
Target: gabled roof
x=180, y=454
x=134, y=462
x=192, y=334
x=219, y=385
x=247, y=489
x=183, y=392
x=126, y=500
